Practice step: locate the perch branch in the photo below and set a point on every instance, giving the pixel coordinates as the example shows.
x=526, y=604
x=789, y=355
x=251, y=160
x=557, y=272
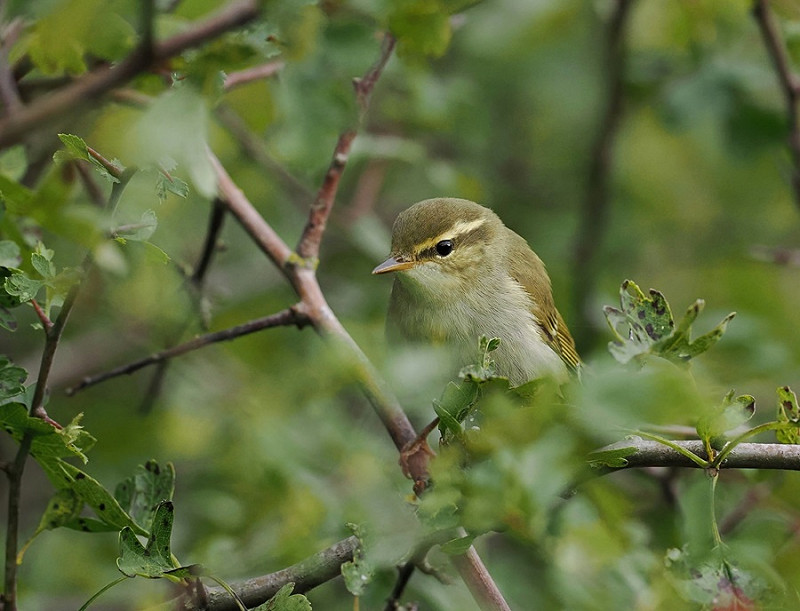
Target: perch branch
x=648, y=453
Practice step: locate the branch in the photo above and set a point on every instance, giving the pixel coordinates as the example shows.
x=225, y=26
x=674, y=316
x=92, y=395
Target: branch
x=256, y=73
x=744, y=456
x=307, y=574
x=287, y=317
x=93, y=85
x=596, y=204
x=788, y=82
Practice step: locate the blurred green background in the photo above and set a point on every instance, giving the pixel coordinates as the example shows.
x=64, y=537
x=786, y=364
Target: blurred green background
x=499, y=102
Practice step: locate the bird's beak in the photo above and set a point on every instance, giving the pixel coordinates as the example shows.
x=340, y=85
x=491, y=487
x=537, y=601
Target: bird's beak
x=393, y=264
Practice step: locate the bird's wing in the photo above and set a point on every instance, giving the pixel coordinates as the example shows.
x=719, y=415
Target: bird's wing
x=529, y=271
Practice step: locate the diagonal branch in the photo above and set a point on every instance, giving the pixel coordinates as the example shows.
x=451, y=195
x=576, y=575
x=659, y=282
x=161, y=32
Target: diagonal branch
x=788, y=82
x=39, y=114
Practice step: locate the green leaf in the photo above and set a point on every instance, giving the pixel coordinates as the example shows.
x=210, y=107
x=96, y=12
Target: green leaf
x=733, y=412
x=643, y=326
x=9, y=254
x=788, y=413
x=74, y=148
x=12, y=379
x=458, y=546
x=22, y=287
x=171, y=184
x=15, y=196
x=7, y=319
x=141, y=231
x=42, y=261
x=104, y=505
x=154, y=560
x=357, y=573
x=284, y=600
x=421, y=27
x=614, y=457
x=454, y=405
x=141, y=493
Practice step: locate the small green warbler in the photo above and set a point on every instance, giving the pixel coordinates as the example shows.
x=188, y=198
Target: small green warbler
x=460, y=274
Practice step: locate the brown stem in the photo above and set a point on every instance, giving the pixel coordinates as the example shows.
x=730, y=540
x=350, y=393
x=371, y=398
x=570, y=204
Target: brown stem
x=256, y=73
x=788, y=83
x=596, y=203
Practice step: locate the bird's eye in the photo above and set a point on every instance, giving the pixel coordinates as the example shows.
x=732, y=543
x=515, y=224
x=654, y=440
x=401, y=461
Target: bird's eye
x=444, y=248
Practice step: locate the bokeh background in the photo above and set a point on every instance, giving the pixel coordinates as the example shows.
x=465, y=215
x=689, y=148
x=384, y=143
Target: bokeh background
x=499, y=102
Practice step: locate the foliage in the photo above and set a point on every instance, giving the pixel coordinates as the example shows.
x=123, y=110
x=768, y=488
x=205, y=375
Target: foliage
x=275, y=453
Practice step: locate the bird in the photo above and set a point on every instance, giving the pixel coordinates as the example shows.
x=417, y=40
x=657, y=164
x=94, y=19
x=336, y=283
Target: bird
x=460, y=274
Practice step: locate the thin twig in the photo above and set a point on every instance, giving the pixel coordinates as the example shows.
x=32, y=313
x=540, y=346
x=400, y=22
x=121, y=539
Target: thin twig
x=596, y=203
x=788, y=82
x=308, y=246
x=42, y=112
x=290, y=316
x=256, y=73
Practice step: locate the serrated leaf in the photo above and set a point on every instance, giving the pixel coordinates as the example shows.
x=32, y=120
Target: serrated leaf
x=171, y=184
x=141, y=493
x=154, y=560
x=24, y=288
x=789, y=414
x=643, y=325
x=75, y=147
x=284, y=600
